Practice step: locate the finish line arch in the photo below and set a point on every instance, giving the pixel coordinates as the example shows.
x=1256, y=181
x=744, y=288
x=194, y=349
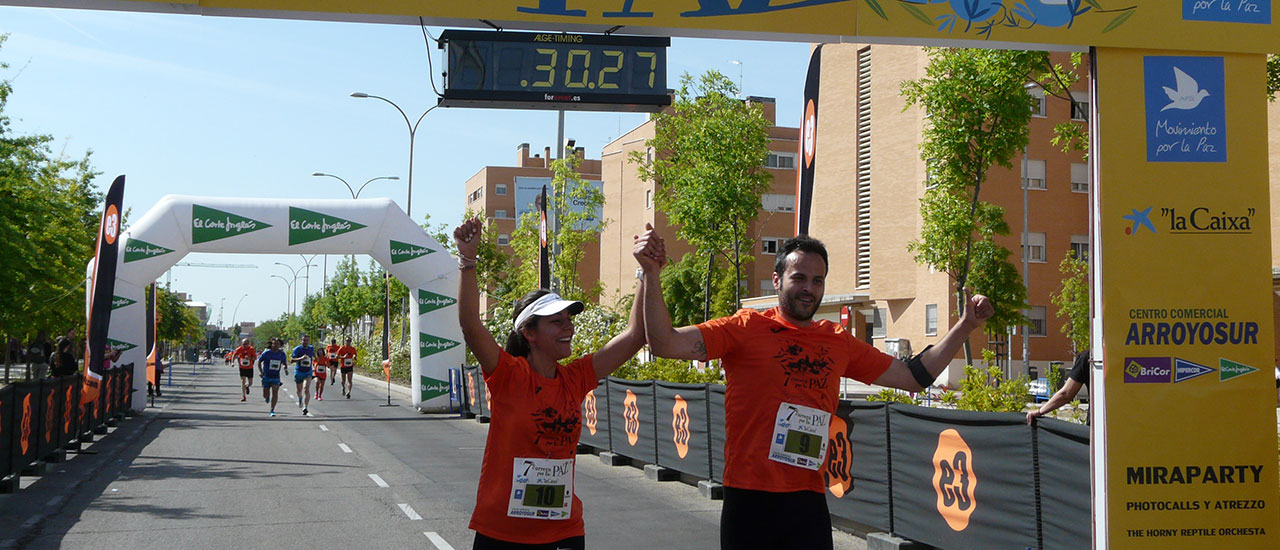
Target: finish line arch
x=178, y=225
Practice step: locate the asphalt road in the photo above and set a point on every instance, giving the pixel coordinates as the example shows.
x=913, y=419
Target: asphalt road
x=202, y=470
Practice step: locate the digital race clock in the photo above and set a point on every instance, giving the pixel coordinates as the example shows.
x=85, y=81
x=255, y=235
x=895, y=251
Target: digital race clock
x=555, y=71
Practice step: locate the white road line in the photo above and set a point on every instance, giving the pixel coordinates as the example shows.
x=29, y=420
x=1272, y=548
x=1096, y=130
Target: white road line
x=323, y=429
x=344, y=447
x=438, y=541
x=33, y=521
x=408, y=511
x=378, y=480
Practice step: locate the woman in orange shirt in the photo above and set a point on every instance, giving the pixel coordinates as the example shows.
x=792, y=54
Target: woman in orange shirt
x=525, y=497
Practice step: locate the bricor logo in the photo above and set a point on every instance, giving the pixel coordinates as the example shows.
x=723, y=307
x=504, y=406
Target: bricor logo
x=954, y=479
x=1184, y=370
x=1185, y=108
x=25, y=426
x=1203, y=221
x=680, y=426
x=1148, y=370
x=119, y=345
x=211, y=224
x=306, y=226
x=631, y=417
x=432, y=387
x=429, y=345
x=836, y=471
x=136, y=249
x=1228, y=369
x=403, y=252
x=590, y=414
x=118, y=302
x=430, y=301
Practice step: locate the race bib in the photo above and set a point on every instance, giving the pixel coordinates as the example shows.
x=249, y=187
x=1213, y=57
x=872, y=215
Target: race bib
x=347, y=361
x=245, y=363
x=319, y=369
x=333, y=357
x=541, y=488
x=800, y=436
x=273, y=364
x=305, y=361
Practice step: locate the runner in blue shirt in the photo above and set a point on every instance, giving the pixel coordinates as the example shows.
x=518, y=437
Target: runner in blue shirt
x=303, y=356
x=269, y=365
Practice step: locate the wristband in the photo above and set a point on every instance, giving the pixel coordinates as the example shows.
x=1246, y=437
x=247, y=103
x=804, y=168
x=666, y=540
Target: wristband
x=466, y=263
x=918, y=370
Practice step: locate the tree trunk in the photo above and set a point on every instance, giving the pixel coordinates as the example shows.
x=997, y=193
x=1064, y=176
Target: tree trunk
x=737, y=271
x=711, y=266
x=960, y=306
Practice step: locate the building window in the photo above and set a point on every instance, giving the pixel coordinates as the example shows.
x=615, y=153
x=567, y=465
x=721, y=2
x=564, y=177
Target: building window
x=766, y=287
x=1033, y=247
x=878, y=324
x=770, y=245
x=784, y=161
x=1037, y=94
x=931, y=319
x=500, y=189
x=1035, y=321
x=1034, y=174
x=1080, y=247
x=774, y=202
x=1079, y=177
x=648, y=199
x=475, y=196
x=1079, y=106
x=504, y=239
x=500, y=214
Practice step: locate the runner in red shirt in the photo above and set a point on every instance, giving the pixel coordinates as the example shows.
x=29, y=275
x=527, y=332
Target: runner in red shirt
x=525, y=498
x=321, y=371
x=243, y=357
x=782, y=371
x=347, y=362
x=331, y=353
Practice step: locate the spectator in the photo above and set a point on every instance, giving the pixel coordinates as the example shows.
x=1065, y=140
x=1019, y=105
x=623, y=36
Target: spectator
x=63, y=360
x=1076, y=379
x=15, y=350
x=39, y=349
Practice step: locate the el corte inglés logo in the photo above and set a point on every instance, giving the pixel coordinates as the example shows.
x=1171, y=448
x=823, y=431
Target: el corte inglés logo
x=680, y=426
x=429, y=345
x=118, y=345
x=432, y=387
x=430, y=301
x=954, y=479
x=839, y=459
x=589, y=412
x=631, y=416
x=211, y=224
x=118, y=302
x=403, y=252
x=135, y=250
x=1228, y=369
x=306, y=226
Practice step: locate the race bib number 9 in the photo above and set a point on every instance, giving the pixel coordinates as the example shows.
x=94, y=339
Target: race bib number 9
x=800, y=436
x=541, y=488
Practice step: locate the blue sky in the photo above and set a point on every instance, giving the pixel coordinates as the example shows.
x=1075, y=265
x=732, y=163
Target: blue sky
x=252, y=107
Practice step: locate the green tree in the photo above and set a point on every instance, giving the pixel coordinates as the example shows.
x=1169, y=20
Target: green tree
x=47, y=231
x=175, y=321
x=1072, y=299
x=709, y=169
x=684, y=290
x=1273, y=76
x=351, y=294
x=978, y=113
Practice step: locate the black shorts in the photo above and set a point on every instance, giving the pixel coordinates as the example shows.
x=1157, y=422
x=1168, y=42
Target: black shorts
x=247, y=373
x=347, y=370
x=754, y=519
x=488, y=543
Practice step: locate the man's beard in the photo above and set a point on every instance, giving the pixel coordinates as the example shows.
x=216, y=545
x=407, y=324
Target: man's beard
x=795, y=309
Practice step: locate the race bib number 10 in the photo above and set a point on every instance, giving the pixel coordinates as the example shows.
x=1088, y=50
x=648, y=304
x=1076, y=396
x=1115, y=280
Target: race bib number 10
x=541, y=488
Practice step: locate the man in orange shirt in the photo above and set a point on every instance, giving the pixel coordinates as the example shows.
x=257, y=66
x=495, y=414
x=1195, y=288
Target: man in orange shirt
x=331, y=353
x=243, y=357
x=347, y=358
x=783, y=371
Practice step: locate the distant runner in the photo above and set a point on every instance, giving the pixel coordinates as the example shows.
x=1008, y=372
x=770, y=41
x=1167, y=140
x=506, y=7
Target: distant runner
x=243, y=357
x=322, y=371
x=303, y=355
x=331, y=352
x=269, y=364
x=347, y=354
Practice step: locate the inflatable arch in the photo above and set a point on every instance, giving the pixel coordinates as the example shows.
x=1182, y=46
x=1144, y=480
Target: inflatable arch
x=178, y=225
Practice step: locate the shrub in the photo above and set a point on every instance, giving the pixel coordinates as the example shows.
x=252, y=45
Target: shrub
x=890, y=395
x=989, y=391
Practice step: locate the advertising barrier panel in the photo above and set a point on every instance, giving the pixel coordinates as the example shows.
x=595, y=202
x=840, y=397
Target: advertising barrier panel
x=69, y=395
x=1062, y=457
x=7, y=428
x=631, y=427
x=595, y=417
x=26, y=413
x=681, y=411
x=715, y=415
x=961, y=479
x=50, y=414
x=857, y=468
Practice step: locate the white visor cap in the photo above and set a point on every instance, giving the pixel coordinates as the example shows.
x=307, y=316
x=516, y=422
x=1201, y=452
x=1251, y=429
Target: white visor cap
x=547, y=304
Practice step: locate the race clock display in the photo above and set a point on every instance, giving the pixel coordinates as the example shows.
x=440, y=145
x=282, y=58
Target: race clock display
x=555, y=71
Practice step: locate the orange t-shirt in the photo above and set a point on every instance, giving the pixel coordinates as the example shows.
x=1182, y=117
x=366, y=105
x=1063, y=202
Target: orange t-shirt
x=768, y=361
x=244, y=356
x=344, y=353
x=332, y=350
x=534, y=417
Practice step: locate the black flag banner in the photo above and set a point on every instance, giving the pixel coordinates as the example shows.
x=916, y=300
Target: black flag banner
x=808, y=142
x=102, y=289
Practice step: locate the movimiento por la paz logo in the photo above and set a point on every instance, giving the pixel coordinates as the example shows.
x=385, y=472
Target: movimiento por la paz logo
x=1228, y=11
x=1185, y=108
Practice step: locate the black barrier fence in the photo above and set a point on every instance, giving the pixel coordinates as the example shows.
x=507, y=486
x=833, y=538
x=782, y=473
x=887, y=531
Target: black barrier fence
x=949, y=479
x=40, y=417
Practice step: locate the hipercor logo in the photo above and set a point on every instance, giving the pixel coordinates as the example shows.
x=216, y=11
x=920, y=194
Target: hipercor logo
x=837, y=472
x=954, y=479
x=631, y=416
x=680, y=426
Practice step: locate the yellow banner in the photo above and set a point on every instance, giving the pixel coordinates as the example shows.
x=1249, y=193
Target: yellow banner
x=1186, y=313
x=1204, y=25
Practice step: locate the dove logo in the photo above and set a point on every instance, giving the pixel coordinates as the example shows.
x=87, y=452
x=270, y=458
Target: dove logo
x=1186, y=113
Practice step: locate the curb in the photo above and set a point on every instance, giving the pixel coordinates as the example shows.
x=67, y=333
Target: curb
x=381, y=385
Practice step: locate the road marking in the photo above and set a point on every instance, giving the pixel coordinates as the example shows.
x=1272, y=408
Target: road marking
x=408, y=511
x=438, y=541
x=323, y=429
x=378, y=480
x=33, y=521
x=344, y=447
x=55, y=501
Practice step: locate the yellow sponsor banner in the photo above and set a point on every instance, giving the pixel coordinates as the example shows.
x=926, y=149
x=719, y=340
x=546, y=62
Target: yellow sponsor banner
x=1186, y=301
x=1205, y=25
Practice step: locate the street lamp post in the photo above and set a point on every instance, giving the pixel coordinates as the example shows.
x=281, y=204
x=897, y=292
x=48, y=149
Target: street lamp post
x=288, y=284
x=355, y=194
x=292, y=286
x=236, y=309
x=413, y=130
x=739, y=64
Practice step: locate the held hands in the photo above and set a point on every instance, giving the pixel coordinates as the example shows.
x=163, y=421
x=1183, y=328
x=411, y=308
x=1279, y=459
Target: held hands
x=466, y=238
x=650, y=251
x=977, y=310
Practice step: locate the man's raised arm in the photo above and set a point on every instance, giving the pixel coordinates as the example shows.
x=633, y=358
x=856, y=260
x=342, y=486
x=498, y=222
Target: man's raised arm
x=664, y=340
